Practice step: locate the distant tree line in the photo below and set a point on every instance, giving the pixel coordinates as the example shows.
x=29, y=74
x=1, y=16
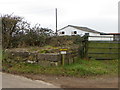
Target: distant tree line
x=16, y=32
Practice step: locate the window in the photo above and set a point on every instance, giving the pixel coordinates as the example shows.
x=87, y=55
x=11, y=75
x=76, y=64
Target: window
x=63, y=32
x=75, y=32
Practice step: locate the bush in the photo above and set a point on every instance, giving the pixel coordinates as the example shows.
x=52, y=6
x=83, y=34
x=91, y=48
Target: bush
x=63, y=40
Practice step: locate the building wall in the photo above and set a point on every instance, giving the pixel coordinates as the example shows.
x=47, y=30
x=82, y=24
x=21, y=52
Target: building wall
x=67, y=31
x=101, y=38
x=116, y=37
x=70, y=31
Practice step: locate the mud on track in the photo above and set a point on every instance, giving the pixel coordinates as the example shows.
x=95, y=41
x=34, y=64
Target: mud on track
x=75, y=82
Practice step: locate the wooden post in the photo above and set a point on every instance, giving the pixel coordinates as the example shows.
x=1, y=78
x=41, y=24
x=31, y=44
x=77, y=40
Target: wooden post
x=63, y=59
x=81, y=49
x=86, y=45
x=63, y=53
x=68, y=57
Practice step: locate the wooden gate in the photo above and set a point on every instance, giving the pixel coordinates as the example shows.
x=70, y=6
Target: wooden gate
x=103, y=50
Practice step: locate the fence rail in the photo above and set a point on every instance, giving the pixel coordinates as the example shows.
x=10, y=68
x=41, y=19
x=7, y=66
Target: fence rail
x=105, y=42
x=104, y=47
x=101, y=49
x=103, y=53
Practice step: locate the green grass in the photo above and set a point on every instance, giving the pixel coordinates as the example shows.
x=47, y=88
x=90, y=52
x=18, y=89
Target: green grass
x=81, y=68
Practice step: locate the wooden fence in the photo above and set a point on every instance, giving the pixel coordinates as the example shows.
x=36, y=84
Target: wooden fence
x=102, y=50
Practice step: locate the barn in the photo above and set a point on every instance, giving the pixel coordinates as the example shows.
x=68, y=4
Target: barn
x=77, y=30
x=116, y=36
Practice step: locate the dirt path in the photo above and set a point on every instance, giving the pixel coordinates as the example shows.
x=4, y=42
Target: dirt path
x=73, y=82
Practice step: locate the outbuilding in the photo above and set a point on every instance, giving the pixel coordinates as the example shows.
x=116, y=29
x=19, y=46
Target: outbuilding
x=116, y=36
x=77, y=30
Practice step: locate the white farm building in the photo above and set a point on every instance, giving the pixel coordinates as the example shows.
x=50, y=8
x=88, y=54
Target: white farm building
x=77, y=30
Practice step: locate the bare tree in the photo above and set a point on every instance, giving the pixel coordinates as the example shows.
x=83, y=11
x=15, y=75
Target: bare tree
x=12, y=25
x=16, y=31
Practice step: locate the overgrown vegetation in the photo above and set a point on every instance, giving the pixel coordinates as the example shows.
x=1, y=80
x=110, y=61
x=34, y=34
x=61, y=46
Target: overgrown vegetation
x=16, y=32
x=64, y=41
x=81, y=68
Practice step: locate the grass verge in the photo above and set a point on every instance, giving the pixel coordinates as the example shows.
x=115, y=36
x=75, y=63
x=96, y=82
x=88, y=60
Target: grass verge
x=79, y=69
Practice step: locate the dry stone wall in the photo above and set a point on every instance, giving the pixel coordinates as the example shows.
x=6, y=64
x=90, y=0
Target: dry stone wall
x=47, y=59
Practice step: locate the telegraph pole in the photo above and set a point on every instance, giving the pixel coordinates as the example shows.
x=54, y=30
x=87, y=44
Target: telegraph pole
x=56, y=19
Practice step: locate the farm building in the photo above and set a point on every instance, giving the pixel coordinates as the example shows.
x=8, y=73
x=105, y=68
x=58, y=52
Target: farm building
x=77, y=30
x=116, y=36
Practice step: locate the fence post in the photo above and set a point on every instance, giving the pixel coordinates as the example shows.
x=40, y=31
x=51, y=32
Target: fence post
x=63, y=52
x=86, y=45
x=81, y=48
x=63, y=59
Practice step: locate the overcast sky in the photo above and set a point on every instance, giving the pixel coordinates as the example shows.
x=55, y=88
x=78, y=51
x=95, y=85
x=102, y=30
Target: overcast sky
x=100, y=15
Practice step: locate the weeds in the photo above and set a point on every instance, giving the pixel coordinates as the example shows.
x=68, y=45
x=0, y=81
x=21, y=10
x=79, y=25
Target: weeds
x=81, y=68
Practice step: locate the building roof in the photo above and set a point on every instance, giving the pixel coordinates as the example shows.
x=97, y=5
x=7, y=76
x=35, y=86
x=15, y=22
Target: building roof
x=110, y=33
x=80, y=28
